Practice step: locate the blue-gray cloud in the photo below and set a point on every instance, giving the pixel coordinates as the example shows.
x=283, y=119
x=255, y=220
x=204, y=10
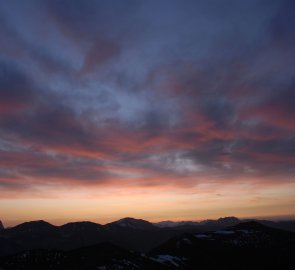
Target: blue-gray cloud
x=172, y=89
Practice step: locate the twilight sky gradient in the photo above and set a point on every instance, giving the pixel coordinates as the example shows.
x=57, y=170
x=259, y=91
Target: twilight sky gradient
x=158, y=109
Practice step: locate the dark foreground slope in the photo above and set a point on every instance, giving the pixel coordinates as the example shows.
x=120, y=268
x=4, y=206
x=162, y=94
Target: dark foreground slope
x=103, y=256
x=249, y=245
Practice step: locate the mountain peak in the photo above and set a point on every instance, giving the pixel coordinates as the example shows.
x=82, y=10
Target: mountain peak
x=1, y=225
x=38, y=223
x=34, y=225
x=131, y=219
x=134, y=223
x=228, y=220
x=81, y=226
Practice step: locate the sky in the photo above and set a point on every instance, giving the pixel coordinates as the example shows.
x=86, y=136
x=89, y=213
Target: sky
x=162, y=110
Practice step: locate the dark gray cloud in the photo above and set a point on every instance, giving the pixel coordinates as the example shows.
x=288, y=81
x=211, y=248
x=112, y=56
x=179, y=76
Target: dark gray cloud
x=146, y=90
x=15, y=87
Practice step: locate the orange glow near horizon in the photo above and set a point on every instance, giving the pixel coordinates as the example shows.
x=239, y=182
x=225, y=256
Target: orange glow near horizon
x=154, y=204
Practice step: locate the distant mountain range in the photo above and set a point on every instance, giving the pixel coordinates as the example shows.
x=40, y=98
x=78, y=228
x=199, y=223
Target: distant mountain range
x=288, y=225
x=226, y=221
x=130, y=233
x=87, y=245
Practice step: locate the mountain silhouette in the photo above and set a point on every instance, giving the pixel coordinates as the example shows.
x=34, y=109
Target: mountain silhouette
x=247, y=245
x=132, y=223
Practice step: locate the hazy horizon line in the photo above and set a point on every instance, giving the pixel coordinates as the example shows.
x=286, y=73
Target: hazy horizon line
x=59, y=222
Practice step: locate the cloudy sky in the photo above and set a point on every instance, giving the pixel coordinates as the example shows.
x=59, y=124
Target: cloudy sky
x=157, y=109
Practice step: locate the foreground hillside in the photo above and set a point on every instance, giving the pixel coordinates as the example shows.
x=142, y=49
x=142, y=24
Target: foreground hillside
x=248, y=245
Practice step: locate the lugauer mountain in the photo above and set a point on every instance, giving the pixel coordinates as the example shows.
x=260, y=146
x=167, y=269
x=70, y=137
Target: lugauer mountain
x=132, y=223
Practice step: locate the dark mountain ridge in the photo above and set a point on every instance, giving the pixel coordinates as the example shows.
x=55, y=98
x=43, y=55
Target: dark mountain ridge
x=247, y=245
x=134, y=234
x=131, y=233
